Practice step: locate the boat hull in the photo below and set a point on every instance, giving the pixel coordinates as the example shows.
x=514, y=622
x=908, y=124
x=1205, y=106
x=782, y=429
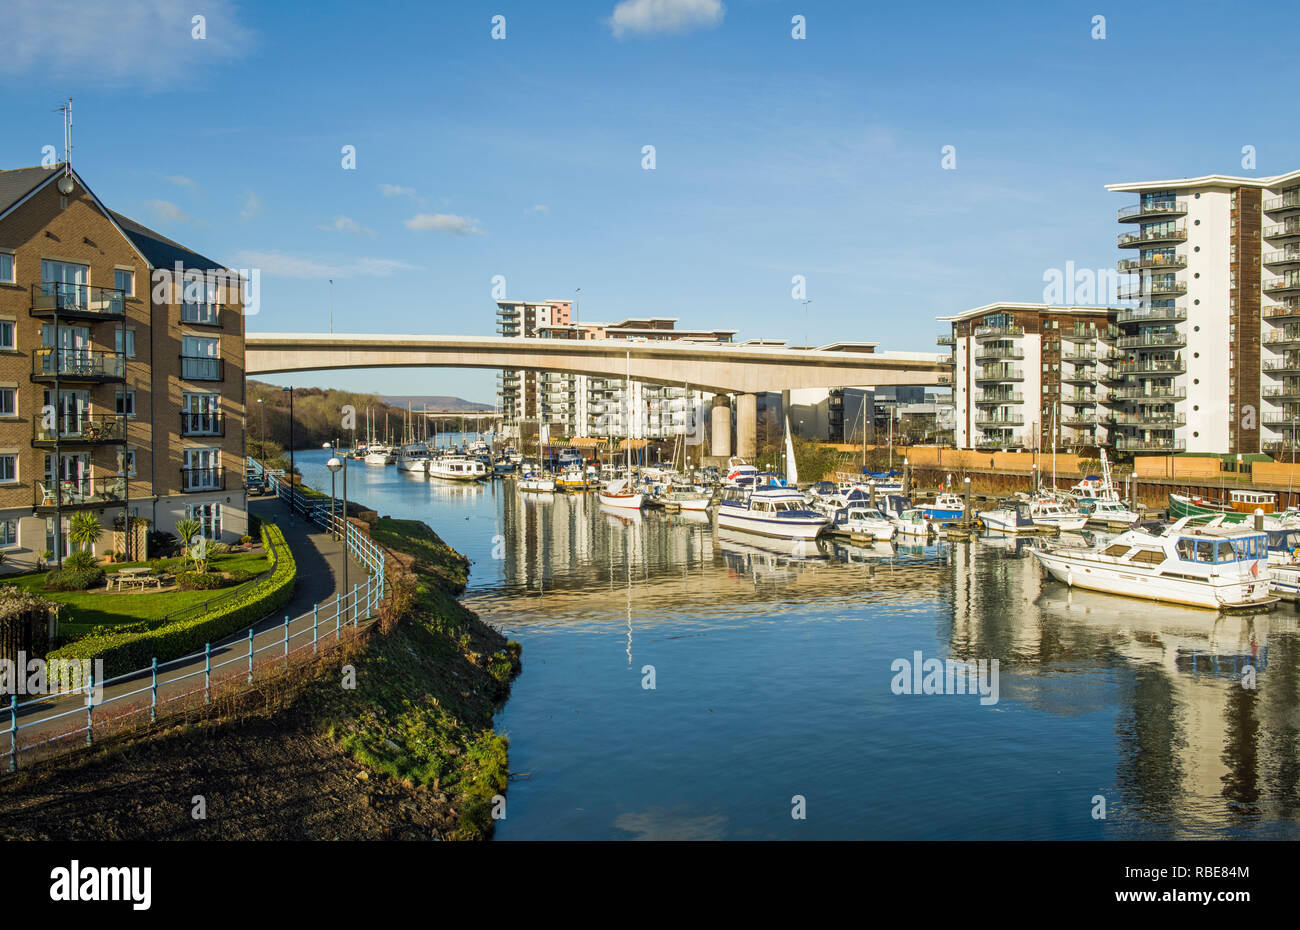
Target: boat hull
x=1153, y=587
x=765, y=526
x=622, y=501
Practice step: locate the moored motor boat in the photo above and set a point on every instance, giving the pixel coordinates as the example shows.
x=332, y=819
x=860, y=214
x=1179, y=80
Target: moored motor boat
x=1047, y=511
x=771, y=511
x=945, y=507
x=862, y=520
x=456, y=468
x=1009, y=517
x=536, y=481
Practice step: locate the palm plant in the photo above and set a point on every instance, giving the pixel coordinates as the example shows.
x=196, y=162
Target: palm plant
x=84, y=529
x=187, y=529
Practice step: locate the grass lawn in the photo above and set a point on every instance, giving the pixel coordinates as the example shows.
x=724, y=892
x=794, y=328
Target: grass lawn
x=100, y=607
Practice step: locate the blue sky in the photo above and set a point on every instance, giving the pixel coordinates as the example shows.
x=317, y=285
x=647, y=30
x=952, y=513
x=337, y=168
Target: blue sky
x=522, y=157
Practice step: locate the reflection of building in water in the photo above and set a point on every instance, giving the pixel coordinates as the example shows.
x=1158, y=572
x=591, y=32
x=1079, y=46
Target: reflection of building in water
x=1186, y=728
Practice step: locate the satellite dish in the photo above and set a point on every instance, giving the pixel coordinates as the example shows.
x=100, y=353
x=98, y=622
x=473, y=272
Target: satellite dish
x=66, y=184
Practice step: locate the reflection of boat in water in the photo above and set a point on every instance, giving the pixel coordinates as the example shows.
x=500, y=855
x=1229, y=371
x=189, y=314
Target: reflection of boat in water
x=740, y=542
x=623, y=516
x=858, y=552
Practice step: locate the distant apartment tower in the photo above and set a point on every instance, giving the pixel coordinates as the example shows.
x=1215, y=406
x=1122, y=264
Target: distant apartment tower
x=519, y=393
x=121, y=375
x=1211, y=353
x=1030, y=376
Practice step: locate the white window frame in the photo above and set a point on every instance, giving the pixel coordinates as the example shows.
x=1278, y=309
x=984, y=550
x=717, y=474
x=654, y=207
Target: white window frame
x=124, y=337
x=5, y=523
x=130, y=273
x=16, y=458
x=12, y=344
x=119, y=405
x=13, y=266
x=13, y=414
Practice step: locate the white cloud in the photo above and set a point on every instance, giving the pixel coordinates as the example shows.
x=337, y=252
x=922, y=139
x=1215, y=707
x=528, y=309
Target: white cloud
x=664, y=17
x=347, y=224
x=180, y=180
x=444, y=222
x=126, y=42
x=278, y=264
x=538, y=208
x=167, y=212
x=252, y=206
x=394, y=190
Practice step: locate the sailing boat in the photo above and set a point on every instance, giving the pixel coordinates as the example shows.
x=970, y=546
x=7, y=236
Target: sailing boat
x=621, y=492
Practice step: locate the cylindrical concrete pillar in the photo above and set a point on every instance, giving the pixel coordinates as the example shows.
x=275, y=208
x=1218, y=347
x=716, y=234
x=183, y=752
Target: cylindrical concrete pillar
x=721, y=420
x=747, y=426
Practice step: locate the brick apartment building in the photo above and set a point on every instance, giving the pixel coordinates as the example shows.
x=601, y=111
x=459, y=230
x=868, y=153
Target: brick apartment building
x=121, y=382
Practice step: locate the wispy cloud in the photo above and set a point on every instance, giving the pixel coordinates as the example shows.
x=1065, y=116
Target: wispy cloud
x=127, y=42
x=346, y=224
x=180, y=180
x=252, y=205
x=445, y=222
x=167, y=212
x=664, y=17
x=279, y=264
x=395, y=190
x=538, y=208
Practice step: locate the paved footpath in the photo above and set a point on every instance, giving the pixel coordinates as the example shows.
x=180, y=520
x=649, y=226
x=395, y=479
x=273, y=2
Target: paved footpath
x=320, y=580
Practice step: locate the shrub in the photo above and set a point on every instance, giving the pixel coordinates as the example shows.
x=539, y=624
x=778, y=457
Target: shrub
x=161, y=543
x=80, y=561
x=218, y=548
x=125, y=652
x=241, y=575
x=245, y=540
x=73, y=580
x=198, y=581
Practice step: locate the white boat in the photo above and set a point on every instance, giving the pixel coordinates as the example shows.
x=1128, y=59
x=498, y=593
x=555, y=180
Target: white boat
x=1047, y=511
x=1009, y=517
x=412, y=460
x=456, y=468
x=913, y=522
x=945, y=507
x=378, y=455
x=739, y=471
x=573, y=478
x=1111, y=513
x=861, y=520
x=777, y=512
x=620, y=493
x=535, y=481
x=1215, y=567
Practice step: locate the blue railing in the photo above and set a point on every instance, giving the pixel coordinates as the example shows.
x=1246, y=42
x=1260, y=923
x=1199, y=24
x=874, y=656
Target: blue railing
x=179, y=681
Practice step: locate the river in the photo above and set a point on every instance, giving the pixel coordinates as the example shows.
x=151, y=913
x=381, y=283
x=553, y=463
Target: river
x=684, y=683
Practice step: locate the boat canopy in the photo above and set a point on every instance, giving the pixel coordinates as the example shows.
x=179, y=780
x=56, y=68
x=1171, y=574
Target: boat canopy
x=1219, y=551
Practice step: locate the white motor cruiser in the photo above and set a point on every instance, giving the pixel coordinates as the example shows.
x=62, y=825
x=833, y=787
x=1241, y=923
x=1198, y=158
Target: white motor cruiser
x=457, y=468
x=862, y=520
x=770, y=511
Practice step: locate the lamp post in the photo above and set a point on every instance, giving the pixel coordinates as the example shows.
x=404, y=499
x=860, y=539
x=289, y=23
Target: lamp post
x=333, y=458
x=292, y=483
x=334, y=464
x=806, y=302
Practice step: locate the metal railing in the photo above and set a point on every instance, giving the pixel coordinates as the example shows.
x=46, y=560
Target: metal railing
x=151, y=689
x=210, y=478
x=49, y=363
x=50, y=296
x=200, y=314
x=202, y=424
x=203, y=368
x=1152, y=208
x=81, y=492
x=79, y=429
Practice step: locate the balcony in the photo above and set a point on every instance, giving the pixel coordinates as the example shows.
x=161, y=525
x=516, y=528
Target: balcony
x=1150, y=420
x=1142, y=237
x=1083, y=357
x=997, y=398
x=1079, y=398
x=997, y=373
x=1289, y=310
x=77, y=365
x=1151, y=340
x=946, y=341
x=1283, y=340
x=1127, y=444
x=994, y=332
x=1282, y=367
x=1282, y=395
x=1282, y=258
x=1288, y=230
x=100, y=429
x=202, y=368
x=1080, y=376
x=1152, y=289
x=212, y=423
x=1131, y=265
x=1081, y=420
x=1151, y=315
x=990, y=442
x=1141, y=393
x=1289, y=202
x=79, y=492
x=1001, y=352
x=1281, y=420
x=1090, y=335
x=78, y=301
x=1003, y=422
x=1286, y=286
x=211, y=478
x=1145, y=211
x=1149, y=367
x=196, y=314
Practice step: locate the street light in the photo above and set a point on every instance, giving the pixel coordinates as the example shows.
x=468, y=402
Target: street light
x=334, y=465
x=292, y=483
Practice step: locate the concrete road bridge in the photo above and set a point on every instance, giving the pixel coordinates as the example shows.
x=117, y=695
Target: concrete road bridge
x=720, y=369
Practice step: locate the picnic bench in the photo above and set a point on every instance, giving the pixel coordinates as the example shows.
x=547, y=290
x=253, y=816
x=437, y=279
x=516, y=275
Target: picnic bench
x=137, y=577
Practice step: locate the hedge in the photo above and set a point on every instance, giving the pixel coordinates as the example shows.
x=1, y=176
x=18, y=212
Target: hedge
x=124, y=652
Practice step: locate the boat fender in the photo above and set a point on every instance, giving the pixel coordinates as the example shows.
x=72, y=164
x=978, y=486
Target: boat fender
x=1069, y=578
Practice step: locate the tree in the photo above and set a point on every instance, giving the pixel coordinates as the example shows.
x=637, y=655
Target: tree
x=84, y=529
x=186, y=530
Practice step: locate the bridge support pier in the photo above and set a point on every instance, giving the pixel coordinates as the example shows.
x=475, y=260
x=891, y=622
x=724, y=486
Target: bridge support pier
x=720, y=421
x=747, y=426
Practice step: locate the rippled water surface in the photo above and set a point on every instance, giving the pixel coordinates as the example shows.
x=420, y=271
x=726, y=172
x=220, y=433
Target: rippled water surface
x=772, y=669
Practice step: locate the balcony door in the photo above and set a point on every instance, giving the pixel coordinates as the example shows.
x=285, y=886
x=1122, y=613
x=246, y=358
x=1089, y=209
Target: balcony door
x=74, y=475
x=72, y=410
x=200, y=412
x=74, y=348
x=68, y=281
x=202, y=469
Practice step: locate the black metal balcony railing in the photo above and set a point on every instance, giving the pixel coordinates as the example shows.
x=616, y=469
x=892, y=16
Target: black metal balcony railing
x=80, y=492
x=77, y=364
x=80, y=300
x=210, y=478
x=194, y=314
x=202, y=368
x=84, y=429
x=1142, y=211
x=203, y=424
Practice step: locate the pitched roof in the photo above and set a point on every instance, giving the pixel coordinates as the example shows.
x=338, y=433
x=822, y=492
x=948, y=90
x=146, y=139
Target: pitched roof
x=19, y=182
x=161, y=251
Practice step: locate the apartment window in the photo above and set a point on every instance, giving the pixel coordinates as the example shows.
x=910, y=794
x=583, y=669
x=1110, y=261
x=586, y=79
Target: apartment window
x=128, y=462
x=124, y=281
x=126, y=403
x=8, y=335
x=8, y=534
x=8, y=468
x=200, y=304
x=200, y=359
x=209, y=517
x=202, y=471
x=8, y=402
x=200, y=414
x=124, y=342
x=6, y=268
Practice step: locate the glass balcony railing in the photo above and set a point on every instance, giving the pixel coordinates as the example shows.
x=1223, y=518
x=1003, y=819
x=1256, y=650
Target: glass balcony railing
x=79, y=429
x=81, y=300
x=202, y=368
x=989, y=332
x=77, y=364
x=1130, y=265
x=1290, y=200
x=1158, y=234
x=1139, y=393
x=1005, y=397
x=1288, y=230
x=1281, y=257
x=1287, y=284
x=1151, y=314
x=1142, y=211
x=1133, y=444
x=209, y=478
x=83, y=491
x=1152, y=340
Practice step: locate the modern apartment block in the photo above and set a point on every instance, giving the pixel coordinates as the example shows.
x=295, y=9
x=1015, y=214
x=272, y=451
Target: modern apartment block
x=573, y=405
x=121, y=374
x=1025, y=375
x=1213, y=346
